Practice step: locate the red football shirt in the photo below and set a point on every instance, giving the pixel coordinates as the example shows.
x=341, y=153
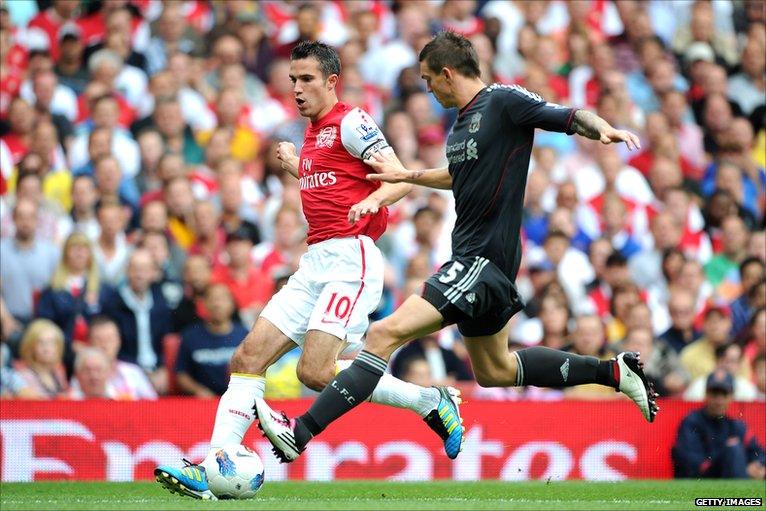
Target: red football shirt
x=331, y=174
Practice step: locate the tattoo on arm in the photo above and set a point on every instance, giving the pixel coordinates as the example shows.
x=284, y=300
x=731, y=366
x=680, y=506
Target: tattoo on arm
x=588, y=124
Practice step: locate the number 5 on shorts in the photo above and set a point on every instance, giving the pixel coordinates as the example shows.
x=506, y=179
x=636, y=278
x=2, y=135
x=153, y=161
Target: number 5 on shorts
x=451, y=273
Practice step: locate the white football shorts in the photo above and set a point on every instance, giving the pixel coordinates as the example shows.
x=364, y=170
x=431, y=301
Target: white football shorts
x=338, y=284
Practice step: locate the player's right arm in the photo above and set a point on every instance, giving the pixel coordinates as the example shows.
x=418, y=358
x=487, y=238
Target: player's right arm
x=387, y=194
x=289, y=157
x=390, y=170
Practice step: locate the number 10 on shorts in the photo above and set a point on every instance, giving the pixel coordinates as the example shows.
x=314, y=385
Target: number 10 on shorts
x=339, y=306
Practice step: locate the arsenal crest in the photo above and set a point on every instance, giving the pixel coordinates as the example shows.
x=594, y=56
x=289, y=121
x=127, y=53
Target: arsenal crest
x=475, y=123
x=326, y=137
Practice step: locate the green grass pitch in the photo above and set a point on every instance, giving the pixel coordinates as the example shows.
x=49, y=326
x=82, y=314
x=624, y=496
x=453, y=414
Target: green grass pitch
x=367, y=495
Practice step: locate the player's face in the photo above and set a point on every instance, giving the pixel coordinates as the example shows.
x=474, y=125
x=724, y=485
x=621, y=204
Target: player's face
x=436, y=84
x=313, y=93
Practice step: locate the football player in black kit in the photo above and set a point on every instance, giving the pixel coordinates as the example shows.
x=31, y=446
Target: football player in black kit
x=488, y=149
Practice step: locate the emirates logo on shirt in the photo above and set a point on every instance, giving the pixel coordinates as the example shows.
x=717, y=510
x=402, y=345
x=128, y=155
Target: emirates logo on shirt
x=326, y=137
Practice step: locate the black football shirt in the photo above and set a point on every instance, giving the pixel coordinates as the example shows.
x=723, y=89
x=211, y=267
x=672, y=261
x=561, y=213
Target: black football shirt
x=488, y=149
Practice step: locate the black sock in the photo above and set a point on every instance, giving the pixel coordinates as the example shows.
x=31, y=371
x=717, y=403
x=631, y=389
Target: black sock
x=546, y=367
x=349, y=388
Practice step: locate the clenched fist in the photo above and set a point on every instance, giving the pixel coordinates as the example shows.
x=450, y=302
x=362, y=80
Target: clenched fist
x=287, y=154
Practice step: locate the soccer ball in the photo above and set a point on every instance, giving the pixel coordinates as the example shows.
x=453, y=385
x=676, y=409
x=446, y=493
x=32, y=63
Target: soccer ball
x=234, y=472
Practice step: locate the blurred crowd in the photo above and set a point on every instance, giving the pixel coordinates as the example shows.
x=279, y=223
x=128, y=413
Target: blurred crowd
x=145, y=220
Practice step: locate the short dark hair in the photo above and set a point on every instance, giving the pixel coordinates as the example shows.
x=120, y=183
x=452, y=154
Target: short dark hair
x=747, y=262
x=102, y=319
x=448, y=49
x=720, y=351
x=329, y=61
x=616, y=259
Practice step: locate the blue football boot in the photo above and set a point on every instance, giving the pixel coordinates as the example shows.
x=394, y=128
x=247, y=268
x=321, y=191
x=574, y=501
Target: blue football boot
x=445, y=420
x=189, y=481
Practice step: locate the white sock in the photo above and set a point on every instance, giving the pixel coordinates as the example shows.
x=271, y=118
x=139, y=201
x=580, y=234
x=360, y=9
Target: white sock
x=401, y=394
x=235, y=409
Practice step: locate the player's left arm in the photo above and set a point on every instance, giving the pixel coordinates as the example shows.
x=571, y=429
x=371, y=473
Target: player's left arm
x=525, y=108
x=592, y=126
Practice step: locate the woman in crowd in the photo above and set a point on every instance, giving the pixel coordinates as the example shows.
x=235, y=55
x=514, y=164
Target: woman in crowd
x=41, y=366
x=75, y=292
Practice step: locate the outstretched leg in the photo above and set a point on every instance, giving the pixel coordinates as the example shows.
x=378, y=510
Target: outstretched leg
x=318, y=366
x=495, y=366
x=261, y=348
x=416, y=317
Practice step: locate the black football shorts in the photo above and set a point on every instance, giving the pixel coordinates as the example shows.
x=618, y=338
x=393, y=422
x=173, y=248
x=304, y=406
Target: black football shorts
x=473, y=293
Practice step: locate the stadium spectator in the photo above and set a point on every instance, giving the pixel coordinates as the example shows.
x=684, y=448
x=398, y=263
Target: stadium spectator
x=41, y=365
x=143, y=316
x=177, y=134
x=416, y=237
x=226, y=70
x=52, y=224
x=646, y=266
x=21, y=121
x=751, y=272
x=415, y=369
x=257, y=53
x=75, y=292
x=206, y=347
x=49, y=22
x=173, y=34
x=91, y=376
x=759, y=375
x=624, y=297
x=661, y=364
x=692, y=278
x=111, y=248
x=12, y=385
x=249, y=286
x=550, y=328
x=747, y=87
x=445, y=368
x=27, y=262
x=169, y=275
x=572, y=267
x=54, y=102
x=152, y=149
x=235, y=213
x=541, y=273
x=681, y=305
x=84, y=199
x=126, y=381
x=755, y=340
x=728, y=357
x=69, y=66
x=178, y=196
x=169, y=167
x=710, y=444
x=191, y=308
x=698, y=358
x=589, y=338
x=288, y=244
x=722, y=270
x=209, y=236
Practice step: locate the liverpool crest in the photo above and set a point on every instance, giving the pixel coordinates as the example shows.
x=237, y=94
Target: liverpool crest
x=326, y=137
x=475, y=124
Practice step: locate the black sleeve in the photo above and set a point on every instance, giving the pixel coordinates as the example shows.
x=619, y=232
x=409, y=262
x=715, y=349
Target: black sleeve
x=527, y=109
